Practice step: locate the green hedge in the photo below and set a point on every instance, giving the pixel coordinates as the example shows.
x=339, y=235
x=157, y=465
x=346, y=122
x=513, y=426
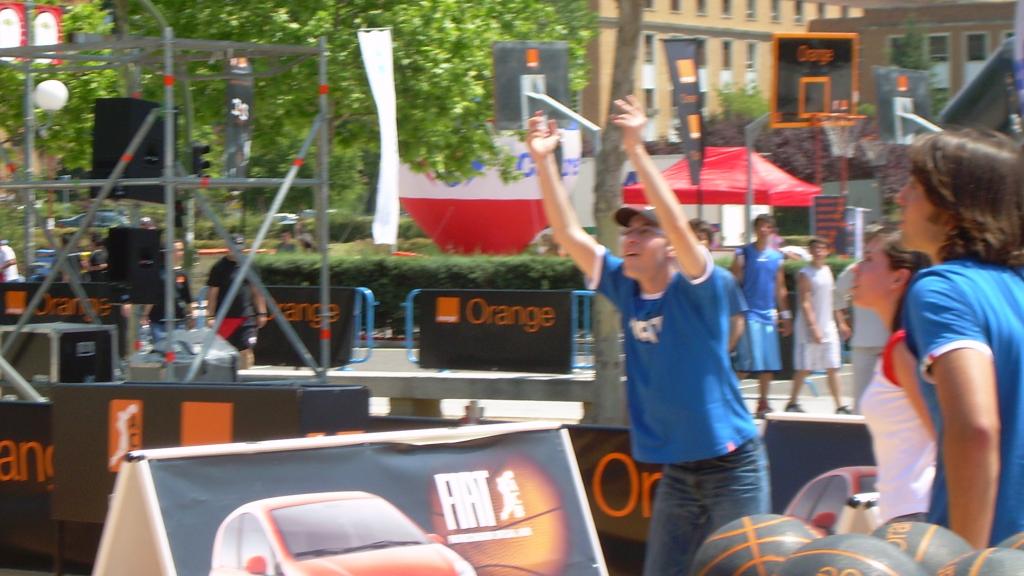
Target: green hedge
x=391, y=278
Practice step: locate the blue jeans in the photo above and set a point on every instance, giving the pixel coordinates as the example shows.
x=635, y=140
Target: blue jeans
x=693, y=499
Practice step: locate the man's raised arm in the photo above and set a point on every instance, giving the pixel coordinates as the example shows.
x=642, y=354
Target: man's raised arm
x=541, y=141
x=690, y=253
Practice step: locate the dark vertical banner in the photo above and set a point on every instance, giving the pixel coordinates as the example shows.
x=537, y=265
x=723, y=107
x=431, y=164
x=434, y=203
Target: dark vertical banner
x=238, y=138
x=681, y=55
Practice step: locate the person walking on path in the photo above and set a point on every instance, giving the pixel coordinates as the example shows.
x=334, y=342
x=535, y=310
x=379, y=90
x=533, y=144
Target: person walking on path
x=686, y=410
x=902, y=435
x=816, y=336
x=247, y=313
x=963, y=206
x=869, y=334
x=758, y=270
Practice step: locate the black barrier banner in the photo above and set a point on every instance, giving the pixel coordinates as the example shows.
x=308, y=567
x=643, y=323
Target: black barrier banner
x=300, y=305
x=830, y=221
x=681, y=56
x=94, y=426
x=504, y=504
x=59, y=304
x=509, y=330
x=26, y=478
x=620, y=491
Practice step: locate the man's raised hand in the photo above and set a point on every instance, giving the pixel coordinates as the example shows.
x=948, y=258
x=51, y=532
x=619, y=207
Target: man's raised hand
x=631, y=119
x=541, y=136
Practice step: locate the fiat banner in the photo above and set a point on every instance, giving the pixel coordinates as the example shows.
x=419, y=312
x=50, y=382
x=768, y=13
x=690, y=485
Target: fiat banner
x=506, y=504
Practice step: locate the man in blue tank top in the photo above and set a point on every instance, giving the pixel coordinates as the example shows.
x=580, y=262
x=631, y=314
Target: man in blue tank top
x=758, y=269
x=964, y=207
x=685, y=408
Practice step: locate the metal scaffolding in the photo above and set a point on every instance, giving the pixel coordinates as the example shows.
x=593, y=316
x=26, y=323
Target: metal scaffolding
x=171, y=56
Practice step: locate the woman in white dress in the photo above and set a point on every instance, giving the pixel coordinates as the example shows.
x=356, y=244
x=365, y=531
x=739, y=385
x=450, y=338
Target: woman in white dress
x=902, y=434
x=816, y=335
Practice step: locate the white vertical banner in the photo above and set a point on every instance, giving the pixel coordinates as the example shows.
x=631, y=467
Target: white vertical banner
x=1018, y=55
x=375, y=46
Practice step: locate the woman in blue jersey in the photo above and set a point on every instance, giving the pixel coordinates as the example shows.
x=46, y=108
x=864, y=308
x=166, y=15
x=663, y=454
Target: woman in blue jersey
x=685, y=407
x=964, y=207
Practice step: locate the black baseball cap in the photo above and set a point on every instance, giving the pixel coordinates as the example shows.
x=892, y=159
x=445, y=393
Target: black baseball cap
x=626, y=213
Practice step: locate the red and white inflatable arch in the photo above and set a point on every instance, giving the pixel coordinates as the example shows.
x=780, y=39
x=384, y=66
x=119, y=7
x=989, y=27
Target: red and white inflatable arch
x=484, y=214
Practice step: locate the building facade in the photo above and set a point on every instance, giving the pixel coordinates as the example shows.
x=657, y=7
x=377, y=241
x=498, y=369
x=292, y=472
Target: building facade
x=736, y=40
x=958, y=38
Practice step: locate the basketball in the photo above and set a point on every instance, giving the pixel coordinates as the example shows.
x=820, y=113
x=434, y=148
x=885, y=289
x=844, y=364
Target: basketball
x=929, y=545
x=1016, y=542
x=751, y=545
x=990, y=562
x=850, y=554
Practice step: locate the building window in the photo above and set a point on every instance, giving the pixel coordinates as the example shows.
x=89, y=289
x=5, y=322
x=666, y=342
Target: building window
x=821, y=10
x=650, y=101
x=751, y=56
x=776, y=10
x=677, y=5
x=798, y=9
x=702, y=7
x=701, y=56
x=726, y=54
x=648, y=4
x=649, y=48
x=938, y=56
x=751, y=9
x=977, y=46
x=895, y=46
x=938, y=48
x=844, y=12
x=727, y=8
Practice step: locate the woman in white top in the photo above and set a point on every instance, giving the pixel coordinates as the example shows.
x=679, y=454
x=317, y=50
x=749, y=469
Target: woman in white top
x=815, y=334
x=901, y=430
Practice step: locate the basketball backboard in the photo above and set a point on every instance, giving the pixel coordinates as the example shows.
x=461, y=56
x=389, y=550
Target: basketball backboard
x=899, y=90
x=814, y=74
x=521, y=67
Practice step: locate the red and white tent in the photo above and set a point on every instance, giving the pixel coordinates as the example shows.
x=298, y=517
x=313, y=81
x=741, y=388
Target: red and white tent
x=724, y=181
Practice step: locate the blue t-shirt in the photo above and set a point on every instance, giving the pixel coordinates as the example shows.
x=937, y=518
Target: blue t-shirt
x=967, y=304
x=684, y=400
x=760, y=270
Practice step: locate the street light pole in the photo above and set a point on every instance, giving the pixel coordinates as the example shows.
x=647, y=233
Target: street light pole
x=29, y=196
x=750, y=133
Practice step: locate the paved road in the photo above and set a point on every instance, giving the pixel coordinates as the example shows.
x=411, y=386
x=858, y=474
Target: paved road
x=815, y=398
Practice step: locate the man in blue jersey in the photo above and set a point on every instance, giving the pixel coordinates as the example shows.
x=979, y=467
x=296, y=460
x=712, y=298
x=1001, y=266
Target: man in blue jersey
x=685, y=408
x=758, y=269
x=964, y=207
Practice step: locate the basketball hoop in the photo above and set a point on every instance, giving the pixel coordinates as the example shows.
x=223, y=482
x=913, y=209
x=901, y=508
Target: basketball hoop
x=843, y=131
x=876, y=152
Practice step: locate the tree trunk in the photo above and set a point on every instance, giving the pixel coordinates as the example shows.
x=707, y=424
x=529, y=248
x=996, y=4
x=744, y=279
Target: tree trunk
x=608, y=406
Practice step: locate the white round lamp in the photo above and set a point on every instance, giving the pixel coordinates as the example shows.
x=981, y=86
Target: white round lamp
x=51, y=95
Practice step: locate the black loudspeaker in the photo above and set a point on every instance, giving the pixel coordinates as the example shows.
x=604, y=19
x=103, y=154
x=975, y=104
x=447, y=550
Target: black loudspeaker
x=134, y=261
x=116, y=121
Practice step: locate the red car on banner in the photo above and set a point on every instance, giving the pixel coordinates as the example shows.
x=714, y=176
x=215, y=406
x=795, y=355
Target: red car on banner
x=329, y=534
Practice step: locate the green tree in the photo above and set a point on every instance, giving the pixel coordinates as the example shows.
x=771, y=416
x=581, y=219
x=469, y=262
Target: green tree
x=443, y=79
x=744, y=103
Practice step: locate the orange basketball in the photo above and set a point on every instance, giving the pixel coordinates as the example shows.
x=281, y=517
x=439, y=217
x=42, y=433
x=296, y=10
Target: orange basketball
x=752, y=545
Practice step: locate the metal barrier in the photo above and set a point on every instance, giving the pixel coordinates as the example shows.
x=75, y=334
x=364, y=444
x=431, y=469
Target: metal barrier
x=364, y=299
x=582, y=334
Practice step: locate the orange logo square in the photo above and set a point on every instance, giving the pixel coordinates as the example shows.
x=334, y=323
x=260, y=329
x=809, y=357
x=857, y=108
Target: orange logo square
x=447, y=310
x=207, y=423
x=532, y=58
x=902, y=83
x=15, y=302
x=124, y=431
x=693, y=123
x=686, y=70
